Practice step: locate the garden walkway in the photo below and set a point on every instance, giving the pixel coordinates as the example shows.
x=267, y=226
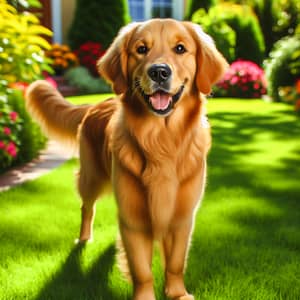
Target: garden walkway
x=52, y=156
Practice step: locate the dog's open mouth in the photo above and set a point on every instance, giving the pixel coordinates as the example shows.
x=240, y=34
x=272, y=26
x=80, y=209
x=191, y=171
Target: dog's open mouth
x=161, y=102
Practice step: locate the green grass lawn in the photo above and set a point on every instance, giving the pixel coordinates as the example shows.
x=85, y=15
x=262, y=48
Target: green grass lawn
x=246, y=242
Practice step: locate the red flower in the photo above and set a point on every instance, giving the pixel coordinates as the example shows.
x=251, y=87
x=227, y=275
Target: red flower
x=88, y=54
x=6, y=130
x=11, y=149
x=2, y=145
x=13, y=116
x=256, y=86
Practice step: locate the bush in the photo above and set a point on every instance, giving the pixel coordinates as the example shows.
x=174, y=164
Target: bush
x=22, y=60
x=88, y=54
x=249, y=39
x=26, y=61
x=291, y=95
x=223, y=35
x=81, y=78
x=283, y=67
x=20, y=138
x=244, y=79
x=10, y=129
x=31, y=138
x=97, y=21
x=194, y=5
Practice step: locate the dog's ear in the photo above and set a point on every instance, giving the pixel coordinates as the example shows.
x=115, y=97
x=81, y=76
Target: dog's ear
x=112, y=66
x=211, y=65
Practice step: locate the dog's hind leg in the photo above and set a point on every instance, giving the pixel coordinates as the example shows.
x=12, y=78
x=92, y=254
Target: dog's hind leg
x=91, y=184
x=89, y=190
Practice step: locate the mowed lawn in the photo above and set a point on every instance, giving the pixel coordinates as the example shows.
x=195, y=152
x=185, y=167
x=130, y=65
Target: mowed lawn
x=246, y=243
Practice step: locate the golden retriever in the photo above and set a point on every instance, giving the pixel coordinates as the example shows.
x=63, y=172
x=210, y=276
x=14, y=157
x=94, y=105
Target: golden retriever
x=150, y=142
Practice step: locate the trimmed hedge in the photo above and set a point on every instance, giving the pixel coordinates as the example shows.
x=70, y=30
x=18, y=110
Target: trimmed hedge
x=97, y=21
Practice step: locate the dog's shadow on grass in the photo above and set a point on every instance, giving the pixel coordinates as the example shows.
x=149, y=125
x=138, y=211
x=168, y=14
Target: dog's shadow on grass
x=71, y=282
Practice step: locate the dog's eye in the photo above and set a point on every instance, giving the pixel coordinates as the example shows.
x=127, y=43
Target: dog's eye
x=142, y=49
x=179, y=49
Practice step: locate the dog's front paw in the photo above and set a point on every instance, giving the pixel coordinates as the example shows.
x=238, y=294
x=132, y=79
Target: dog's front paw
x=185, y=297
x=82, y=242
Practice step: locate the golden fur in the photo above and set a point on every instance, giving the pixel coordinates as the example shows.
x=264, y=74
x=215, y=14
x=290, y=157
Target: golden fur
x=155, y=157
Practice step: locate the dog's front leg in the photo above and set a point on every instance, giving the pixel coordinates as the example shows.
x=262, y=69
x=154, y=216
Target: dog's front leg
x=138, y=246
x=176, y=244
x=135, y=229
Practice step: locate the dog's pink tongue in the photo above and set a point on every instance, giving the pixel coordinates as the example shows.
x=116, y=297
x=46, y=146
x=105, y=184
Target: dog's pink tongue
x=160, y=101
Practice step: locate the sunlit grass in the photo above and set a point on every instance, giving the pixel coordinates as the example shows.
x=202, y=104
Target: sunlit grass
x=246, y=243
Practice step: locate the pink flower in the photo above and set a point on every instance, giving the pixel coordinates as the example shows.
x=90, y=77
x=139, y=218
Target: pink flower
x=2, y=145
x=11, y=149
x=13, y=116
x=234, y=80
x=6, y=130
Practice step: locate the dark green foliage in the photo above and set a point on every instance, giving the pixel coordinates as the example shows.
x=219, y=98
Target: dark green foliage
x=282, y=68
x=194, y=5
x=31, y=139
x=85, y=82
x=277, y=18
x=97, y=21
x=223, y=35
x=249, y=44
x=249, y=39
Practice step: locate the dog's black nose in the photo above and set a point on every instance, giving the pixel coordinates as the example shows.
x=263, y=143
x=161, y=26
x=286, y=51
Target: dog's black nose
x=159, y=72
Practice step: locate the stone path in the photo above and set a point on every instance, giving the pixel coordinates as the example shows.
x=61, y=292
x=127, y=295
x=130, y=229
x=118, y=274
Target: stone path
x=50, y=158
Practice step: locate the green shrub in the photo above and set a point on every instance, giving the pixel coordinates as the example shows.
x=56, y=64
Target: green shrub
x=223, y=35
x=242, y=20
x=10, y=129
x=97, y=21
x=283, y=68
x=31, y=138
x=194, y=5
x=26, y=61
x=22, y=60
x=81, y=78
x=20, y=138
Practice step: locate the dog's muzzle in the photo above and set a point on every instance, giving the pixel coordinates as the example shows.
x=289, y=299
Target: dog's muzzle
x=161, y=102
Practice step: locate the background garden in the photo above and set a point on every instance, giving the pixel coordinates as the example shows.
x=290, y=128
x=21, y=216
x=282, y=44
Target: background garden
x=246, y=243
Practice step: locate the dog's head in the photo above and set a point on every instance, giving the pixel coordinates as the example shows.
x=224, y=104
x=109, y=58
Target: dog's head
x=160, y=61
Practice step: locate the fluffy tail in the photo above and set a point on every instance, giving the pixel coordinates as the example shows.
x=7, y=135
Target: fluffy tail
x=58, y=118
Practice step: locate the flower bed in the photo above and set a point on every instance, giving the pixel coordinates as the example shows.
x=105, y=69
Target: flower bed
x=88, y=55
x=10, y=130
x=62, y=58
